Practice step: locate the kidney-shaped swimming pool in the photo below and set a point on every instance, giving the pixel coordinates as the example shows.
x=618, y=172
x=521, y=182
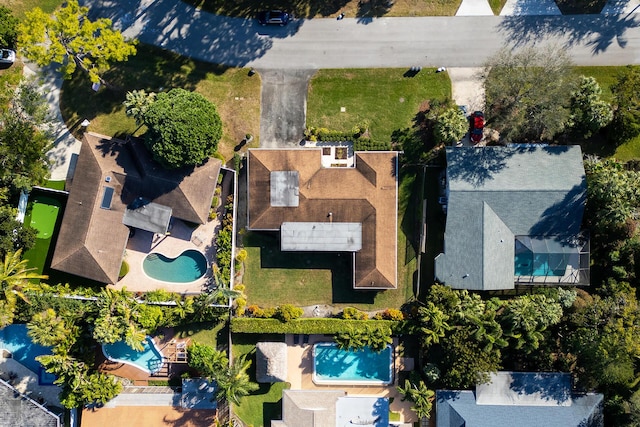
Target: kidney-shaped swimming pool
x=187, y=267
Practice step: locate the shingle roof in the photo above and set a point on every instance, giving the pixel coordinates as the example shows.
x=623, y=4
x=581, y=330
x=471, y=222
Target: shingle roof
x=520, y=399
x=19, y=410
x=496, y=193
x=92, y=240
x=366, y=194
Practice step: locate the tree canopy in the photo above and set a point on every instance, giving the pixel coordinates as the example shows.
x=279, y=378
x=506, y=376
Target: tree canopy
x=71, y=39
x=527, y=93
x=183, y=128
x=8, y=28
x=626, y=94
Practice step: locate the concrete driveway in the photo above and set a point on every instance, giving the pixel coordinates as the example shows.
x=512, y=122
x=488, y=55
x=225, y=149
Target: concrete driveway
x=283, y=109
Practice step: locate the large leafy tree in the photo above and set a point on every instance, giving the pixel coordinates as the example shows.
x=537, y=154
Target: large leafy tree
x=527, y=92
x=8, y=28
x=589, y=113
x=183, y=128
x=626, y=98
x=613, y=194
x=450, y=126
x=71, y=39
x=13, y=234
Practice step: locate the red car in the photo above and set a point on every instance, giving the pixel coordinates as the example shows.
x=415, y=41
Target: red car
x=477, y=126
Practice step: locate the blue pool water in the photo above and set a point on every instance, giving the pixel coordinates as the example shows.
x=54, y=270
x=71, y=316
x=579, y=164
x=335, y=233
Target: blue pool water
x=333, y=365
x=526, y=264
x=149, y=359
x=15, y=339
x=190, y=265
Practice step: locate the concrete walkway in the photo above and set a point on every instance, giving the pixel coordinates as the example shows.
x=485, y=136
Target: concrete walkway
x=621, y=7
x=530, y=7
x=65, y=146
x=474, y=8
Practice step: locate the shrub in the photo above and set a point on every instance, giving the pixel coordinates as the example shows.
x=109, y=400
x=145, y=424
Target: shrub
x=150, y=317
x=320, y=326
x=354, y=314
x=288, y=312
x=214, y=202
x=242, y=255
x=390, y=314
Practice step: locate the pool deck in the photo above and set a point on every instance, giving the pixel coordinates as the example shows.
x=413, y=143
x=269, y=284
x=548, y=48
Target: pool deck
x=26, y=382
x=300, y=376
x=174, y=364
x=180, y=239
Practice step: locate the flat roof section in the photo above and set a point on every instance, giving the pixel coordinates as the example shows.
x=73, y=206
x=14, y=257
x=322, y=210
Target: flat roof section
x=284, y=189
x=152, y=217
x=321, y=236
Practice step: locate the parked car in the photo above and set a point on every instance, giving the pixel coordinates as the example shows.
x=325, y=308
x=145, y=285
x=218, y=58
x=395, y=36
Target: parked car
x=477, y=126
x=273, y=17
x=7, y=56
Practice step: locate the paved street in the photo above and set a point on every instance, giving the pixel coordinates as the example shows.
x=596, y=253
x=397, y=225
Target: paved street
x=385, y=42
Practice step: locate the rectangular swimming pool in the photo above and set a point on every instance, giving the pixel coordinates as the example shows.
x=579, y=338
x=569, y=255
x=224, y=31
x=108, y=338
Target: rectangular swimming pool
x=331, y=365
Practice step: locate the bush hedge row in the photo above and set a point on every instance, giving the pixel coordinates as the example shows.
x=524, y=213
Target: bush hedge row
x=325, y=326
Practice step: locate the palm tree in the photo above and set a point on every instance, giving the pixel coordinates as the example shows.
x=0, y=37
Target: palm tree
x=420, y=395
x=236, y=383
x=433, y=323
x=47, y=328
x=14, y=275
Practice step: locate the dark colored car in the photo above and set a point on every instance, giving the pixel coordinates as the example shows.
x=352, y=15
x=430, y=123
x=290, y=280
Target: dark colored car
x=477, y=127
x=273, y=17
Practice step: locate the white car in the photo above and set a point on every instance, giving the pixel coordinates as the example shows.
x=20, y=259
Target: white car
x=7, y=56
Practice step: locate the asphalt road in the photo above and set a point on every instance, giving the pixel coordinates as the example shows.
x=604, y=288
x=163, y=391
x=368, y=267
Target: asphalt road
x=363, y=43
x=287, y=56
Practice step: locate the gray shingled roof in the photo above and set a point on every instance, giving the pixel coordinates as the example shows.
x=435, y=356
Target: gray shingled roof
x=19, y=410
x=520, y=399
x=497, y=193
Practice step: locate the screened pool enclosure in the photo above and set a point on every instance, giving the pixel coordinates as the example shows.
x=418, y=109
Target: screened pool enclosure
x=552, y=259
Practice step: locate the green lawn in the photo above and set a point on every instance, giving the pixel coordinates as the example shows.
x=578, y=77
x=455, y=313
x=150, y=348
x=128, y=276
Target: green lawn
x=274, y=278
x=321, y=8
x=263, y=404
x=19, y=7
x=209, y=333
x=42, y=215
x=599, y=145
x=235, y=93
x=55, y=185
x=384, y=98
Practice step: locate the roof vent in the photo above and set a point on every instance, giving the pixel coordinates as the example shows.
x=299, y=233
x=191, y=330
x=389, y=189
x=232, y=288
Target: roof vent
x=107, y=179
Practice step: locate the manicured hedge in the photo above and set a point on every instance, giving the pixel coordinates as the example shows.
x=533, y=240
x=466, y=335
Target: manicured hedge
x=249, y=325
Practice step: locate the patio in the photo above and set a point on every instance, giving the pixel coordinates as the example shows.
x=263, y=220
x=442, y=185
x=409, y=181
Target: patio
x=300, y=373
x=174, y=360
x=180, y=238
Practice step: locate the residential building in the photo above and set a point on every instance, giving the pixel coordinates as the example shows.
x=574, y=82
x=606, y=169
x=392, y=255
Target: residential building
x=514, y=216
x=316, y=207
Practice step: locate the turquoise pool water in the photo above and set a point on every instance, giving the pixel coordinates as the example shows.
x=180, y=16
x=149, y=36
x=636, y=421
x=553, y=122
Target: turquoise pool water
x=332, y=365
x=149, y=359
x=526, y=264
x=16, y=339
x=190, y=265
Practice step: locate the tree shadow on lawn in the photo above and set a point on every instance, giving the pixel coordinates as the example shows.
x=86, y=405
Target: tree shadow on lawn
x=152, y=69
x=338, y=263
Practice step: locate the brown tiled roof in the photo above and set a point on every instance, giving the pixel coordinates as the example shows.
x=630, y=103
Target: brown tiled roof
x=366, y=194
x=92, y=240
